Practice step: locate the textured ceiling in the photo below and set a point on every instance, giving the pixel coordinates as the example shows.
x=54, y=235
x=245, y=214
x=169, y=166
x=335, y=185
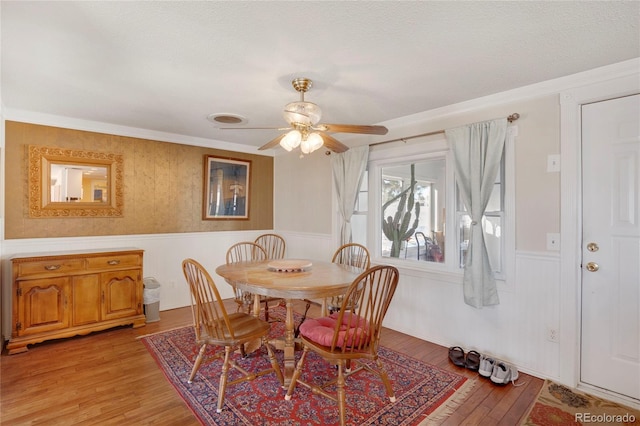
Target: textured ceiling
x=165, y=66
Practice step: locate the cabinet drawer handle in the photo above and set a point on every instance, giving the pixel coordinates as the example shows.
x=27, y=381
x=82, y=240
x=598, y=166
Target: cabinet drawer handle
x=52, y=267
x=113, y=262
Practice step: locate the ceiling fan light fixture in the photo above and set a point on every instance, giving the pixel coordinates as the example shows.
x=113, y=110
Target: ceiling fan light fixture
x=302, y=112
x=305, y=147
x=305, y=129
x=291, y=140
x=315, y=141
x=310, y=143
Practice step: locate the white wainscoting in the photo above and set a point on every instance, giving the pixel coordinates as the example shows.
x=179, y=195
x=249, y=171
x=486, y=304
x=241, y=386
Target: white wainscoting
x=162, y=259
x=430, y=306
x=427, y=306
x=515, y=331
x=302, y=245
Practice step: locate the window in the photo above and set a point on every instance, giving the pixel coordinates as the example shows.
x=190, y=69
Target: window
x=411, y=195
x=423, y=238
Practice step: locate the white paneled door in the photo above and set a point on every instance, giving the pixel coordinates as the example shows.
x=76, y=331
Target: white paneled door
x=610, y=347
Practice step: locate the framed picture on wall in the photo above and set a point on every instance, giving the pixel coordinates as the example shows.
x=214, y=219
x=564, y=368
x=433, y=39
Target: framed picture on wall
x=226, y=188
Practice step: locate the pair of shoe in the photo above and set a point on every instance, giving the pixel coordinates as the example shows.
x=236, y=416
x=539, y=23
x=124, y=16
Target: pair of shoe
x=498, y=371
x=470, y=360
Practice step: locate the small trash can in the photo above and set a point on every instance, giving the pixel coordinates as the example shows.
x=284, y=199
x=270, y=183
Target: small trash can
x=151, y=298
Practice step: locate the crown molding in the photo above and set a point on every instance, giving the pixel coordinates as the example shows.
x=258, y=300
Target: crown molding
x=23, y=116
x=536, y=90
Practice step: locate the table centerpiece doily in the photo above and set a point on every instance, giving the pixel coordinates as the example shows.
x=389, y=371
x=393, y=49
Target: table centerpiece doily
x=289, y=265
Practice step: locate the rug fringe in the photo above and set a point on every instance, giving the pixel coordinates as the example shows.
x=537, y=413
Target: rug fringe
x=441, y=413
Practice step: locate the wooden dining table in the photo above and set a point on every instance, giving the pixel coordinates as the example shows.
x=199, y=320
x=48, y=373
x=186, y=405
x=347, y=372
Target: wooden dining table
x=317, y=280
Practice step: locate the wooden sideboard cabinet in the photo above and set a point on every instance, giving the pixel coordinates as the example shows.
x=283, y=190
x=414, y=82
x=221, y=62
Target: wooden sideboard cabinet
x=67, y=294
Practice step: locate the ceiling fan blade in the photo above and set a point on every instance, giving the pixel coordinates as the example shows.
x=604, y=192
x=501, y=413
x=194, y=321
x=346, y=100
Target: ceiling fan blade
x=333, y=144
x=354, y=128
x=272, y=142
x=254, y=128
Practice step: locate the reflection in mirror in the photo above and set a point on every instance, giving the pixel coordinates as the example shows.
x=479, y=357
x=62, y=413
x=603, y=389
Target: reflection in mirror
x=78, y=183
x=74, y=183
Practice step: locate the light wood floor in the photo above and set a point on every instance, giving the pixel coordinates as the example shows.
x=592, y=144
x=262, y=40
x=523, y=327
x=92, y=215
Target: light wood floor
x=109, y=378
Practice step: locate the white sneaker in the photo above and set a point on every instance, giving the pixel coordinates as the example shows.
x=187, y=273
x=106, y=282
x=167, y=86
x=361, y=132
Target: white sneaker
x=486, y=366
x=504, y=373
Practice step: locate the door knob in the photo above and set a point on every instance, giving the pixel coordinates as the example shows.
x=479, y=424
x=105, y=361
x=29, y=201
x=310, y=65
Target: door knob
x=592, y=267
x=592, y=247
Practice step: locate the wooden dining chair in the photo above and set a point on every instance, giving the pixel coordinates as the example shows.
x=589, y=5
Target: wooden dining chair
x=214, y=326
x=244, y=251
x=348, y=337
x=273, y=244
x=247, y=251
x=352, y=254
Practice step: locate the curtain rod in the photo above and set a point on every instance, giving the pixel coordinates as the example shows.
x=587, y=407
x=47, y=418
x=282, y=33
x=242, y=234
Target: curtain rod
x=513, y=117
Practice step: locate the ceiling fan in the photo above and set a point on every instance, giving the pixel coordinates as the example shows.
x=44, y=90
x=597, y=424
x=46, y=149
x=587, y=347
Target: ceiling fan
x=305, y=130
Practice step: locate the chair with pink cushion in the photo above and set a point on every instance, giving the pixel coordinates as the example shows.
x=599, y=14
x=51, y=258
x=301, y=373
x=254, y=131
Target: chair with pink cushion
x=349, y=335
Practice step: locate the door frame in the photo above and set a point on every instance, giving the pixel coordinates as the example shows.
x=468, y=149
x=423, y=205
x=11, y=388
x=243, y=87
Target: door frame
x=571, y=102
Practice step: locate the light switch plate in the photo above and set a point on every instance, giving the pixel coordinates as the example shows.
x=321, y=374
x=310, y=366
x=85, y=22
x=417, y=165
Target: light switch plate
x=553, y=242
x=553, y=163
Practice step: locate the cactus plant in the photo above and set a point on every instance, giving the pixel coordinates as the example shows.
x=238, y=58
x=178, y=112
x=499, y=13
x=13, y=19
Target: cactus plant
x=396, y=228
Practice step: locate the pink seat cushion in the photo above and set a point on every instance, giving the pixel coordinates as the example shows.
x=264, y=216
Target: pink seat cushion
x=354, y=330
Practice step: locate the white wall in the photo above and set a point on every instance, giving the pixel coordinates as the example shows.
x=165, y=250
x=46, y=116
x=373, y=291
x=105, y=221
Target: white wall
x=430, y=305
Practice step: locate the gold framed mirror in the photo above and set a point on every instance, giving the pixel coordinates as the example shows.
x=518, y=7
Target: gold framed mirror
x=74, y=183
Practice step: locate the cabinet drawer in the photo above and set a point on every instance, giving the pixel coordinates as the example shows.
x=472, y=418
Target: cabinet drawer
x=116, y=261
x=53, y=267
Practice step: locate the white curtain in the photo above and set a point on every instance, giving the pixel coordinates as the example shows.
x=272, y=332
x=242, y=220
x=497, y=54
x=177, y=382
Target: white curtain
x=348, y=169
x=477, y=151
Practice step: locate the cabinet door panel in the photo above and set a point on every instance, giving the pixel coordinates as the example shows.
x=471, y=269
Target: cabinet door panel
x=86, y=299
x=122, y=294
x=42, y=305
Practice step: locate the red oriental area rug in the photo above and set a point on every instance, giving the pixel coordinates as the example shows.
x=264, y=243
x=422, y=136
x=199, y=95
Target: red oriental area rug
x=424, y=393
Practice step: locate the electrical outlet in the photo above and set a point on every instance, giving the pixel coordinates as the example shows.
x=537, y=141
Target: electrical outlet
x=553, y=242
x=552, y=334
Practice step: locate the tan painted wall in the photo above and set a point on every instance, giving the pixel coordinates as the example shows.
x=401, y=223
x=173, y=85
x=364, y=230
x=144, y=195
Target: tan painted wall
x=304, y=192
x=162, y=186
x=304, y=185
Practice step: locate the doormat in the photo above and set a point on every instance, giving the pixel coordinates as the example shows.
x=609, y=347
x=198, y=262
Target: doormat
x=425, y=394
x=559, y=405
